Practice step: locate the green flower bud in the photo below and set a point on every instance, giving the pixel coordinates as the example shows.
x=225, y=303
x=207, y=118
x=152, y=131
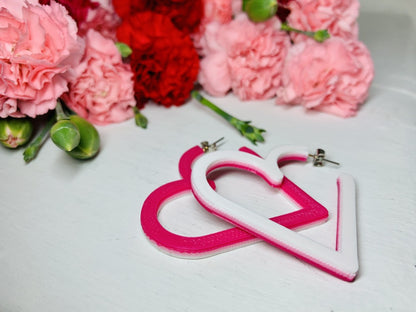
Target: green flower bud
x=15, y=131
x=65, y=134
x=140, y=119
x=89, y=143
x=260, y=10
x=321, y=35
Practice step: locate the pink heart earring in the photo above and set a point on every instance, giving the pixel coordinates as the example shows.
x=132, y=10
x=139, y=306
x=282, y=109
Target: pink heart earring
x=341, y=262
x=310, y=212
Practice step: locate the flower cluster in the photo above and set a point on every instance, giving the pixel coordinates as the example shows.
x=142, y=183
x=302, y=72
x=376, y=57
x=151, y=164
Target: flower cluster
x=334, y=76
x=104, y=60
x=164, y=60
x=47, y=53
x=263, y=60
x=39, y=48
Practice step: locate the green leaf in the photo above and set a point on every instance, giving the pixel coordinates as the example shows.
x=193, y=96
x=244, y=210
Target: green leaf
x=124, y=49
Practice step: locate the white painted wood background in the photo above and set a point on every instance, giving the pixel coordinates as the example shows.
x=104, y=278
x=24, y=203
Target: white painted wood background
x=70, y=238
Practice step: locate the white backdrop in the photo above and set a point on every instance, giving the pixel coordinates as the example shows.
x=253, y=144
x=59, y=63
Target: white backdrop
x=70, y=237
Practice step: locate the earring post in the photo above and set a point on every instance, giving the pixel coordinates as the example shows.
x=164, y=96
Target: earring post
x=319, y=158
x=207, y=147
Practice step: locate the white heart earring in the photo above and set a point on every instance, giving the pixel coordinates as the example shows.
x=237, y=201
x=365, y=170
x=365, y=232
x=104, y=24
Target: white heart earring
x=341, y=262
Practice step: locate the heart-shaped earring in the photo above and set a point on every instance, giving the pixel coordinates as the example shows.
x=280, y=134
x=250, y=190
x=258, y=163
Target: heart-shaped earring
x=341, y=262
x=310, y=212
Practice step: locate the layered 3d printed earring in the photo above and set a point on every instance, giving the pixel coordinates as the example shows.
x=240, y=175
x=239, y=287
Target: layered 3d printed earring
x=194, y=167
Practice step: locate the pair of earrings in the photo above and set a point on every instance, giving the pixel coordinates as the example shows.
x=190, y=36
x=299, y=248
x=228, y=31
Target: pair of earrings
x=194, y=167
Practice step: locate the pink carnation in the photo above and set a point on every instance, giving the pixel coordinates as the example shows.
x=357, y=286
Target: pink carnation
x=333, y=76
x=7, y=106
x=215, y=11
x=253, y=56
x=214, y=74
x=39, y=47
x=237, y=6
x=103, y=92
x=339, y=17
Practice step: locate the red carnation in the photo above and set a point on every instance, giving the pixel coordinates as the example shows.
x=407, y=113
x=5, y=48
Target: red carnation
x=164, y=60
x=185, y=14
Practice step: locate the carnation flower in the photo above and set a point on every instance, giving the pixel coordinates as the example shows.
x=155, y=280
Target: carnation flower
x=39, y=47
x=253, y=55
x=184, y=14
x=237, y=6
x=98, y=15
x=103, y=91
x=214, y=75
x=333, y=76
x=8, y=106
x=78, y=9
x=218, y=11
x=339, y=17
x=164, y=60
x=102, y=19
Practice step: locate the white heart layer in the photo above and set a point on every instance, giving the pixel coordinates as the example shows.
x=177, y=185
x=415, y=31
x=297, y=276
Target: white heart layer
x=341, y=262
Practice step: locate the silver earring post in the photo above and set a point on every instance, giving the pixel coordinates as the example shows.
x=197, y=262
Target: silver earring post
x=319, y=158
x=207, y=147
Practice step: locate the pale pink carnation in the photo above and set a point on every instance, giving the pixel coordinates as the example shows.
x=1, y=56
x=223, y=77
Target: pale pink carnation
x=39, y=47
x=237, y=6
x=102, y=19
x=333, y=76
x=214, y=74
x=215, y=11
x=339, y=17
x=103, y=92
x=254, y=54
x=7, y=106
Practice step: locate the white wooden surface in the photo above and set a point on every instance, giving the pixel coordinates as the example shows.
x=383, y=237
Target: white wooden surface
x=70, y=238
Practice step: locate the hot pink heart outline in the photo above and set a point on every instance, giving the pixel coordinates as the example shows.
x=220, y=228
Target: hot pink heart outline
x=311, y=212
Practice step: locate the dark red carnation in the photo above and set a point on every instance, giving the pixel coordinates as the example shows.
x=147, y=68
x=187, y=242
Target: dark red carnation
x=164, y=60
x=125, y=8
x=282, y=10
x=78, y=9
x=186, y=15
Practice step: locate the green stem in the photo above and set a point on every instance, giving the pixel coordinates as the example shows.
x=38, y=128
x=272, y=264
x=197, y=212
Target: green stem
x=32, y=150
x=196, y=95
x=250, y=132
x=60, y=114
x=286, y=27
x=319, y=35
